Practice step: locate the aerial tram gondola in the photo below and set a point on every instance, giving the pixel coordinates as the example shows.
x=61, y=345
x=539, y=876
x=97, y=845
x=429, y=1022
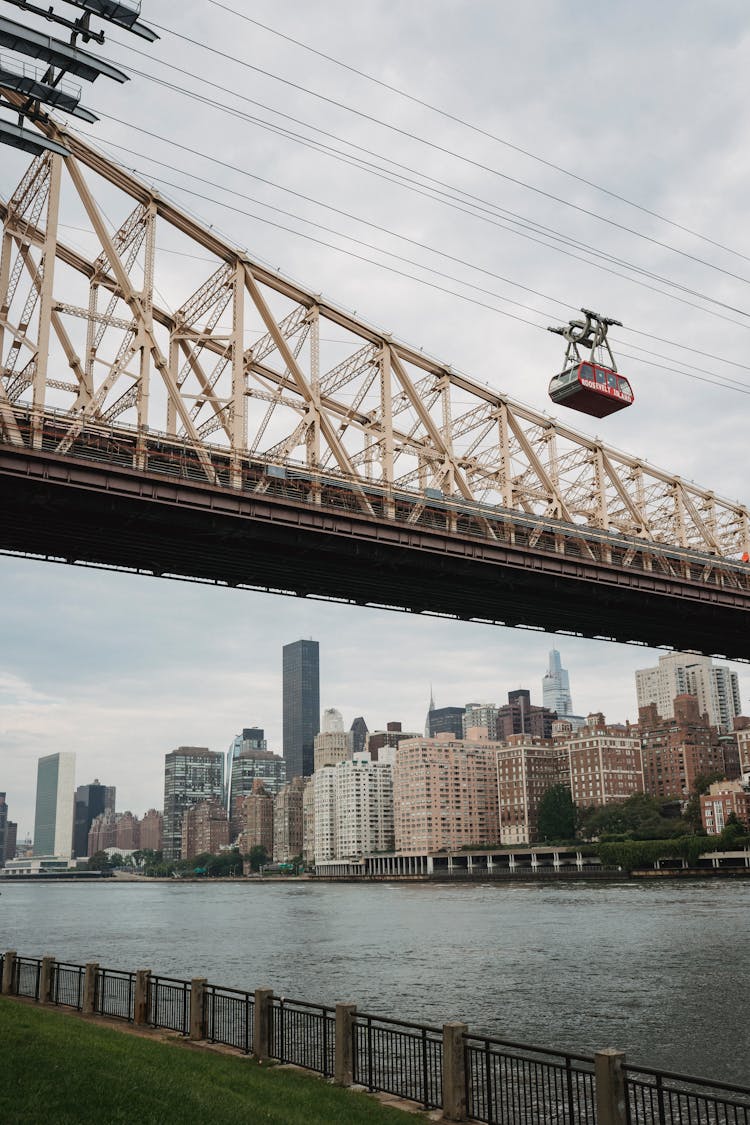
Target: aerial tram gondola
x=591, y=385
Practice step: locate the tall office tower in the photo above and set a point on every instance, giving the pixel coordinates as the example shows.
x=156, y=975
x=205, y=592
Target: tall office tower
x=480, y=715
x=520, y=716
x=556, y=686
x=191, y=774
x=715, y=686
x=3, y=828
x=430, y=709
x=55, y=805
x=445, y=720
x=358, y=731
x=250, y=738
x=91, y=801
x=301, y=706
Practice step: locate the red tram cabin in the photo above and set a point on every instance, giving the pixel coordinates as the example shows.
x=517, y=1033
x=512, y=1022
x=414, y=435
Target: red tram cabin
x=592, y=389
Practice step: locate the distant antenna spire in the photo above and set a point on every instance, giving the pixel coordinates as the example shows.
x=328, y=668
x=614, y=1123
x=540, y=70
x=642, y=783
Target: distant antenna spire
x=430, y=708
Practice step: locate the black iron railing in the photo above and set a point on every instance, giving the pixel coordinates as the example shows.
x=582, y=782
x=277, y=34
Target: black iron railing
x=228, y=1017
x=401, y=1058
x=169, y=1004
x=662, y=1098
x=67, y=985
x=26, y=977
x=514, y=1084
x=115, y=994
x=303, y=1034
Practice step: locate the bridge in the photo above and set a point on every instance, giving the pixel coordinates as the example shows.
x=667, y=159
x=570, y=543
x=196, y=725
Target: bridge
x=261, y=437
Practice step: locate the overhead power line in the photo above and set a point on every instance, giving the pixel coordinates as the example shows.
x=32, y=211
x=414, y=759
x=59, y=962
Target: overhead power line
x=480, y=131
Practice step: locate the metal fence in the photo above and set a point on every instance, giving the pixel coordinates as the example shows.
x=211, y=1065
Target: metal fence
x=67, y=985
x=303, y=1034
x=662, y=1098
x=507, y=1083
x=401, y=1058
x=169, y=1004
x=514, y=1084
x=228, y=1016
x=26, y=977
x=115, y=994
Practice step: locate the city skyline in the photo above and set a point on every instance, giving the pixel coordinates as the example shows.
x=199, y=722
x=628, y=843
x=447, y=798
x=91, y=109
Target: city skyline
x=142, y=692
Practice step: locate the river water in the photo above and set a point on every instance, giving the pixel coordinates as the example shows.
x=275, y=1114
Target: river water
x=661, y=970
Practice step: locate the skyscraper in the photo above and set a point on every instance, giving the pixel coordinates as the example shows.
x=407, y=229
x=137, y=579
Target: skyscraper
x=91, y=801
x=556, y=686
x=55, y=805
x=715, y=686
x=191, y=774
x=301, y=706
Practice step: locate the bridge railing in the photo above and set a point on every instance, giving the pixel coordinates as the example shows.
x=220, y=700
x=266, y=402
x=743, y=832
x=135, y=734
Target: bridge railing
x=495, y=1081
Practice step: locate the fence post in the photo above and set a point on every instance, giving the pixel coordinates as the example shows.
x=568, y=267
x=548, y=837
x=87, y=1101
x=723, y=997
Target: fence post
x=262, y=1030
x=46, y=977
x=610, y=1087
x=9, y=965
x=343, y=1059
x=90, y=978
x=140, y=1003
x=454, y=1072
x=197, y=1015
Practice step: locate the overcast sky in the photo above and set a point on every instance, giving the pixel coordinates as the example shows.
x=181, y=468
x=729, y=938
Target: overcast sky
x=648, y=101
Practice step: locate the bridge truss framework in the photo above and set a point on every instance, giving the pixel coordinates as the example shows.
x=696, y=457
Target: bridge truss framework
x=95, y=367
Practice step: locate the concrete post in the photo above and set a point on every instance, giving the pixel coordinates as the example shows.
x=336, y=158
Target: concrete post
x=262, y=1029
x=610, y=1087
x=90, y=977
x=343, y=1065
x=197, y=1016
x=46, y=979
x=454, y=1072
x=9, y=966
x=142, y=989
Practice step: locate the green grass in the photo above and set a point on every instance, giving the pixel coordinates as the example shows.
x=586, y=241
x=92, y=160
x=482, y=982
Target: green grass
x=58, y=1069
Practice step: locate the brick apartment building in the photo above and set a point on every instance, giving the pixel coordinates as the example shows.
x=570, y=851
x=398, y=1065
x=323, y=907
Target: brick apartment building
x=527, y=767
x=676, y=751
x=205, y=828
x=256, y=817
x=723, y=799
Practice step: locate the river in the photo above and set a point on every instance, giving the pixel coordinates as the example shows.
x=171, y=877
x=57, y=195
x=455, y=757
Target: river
x=660, y=970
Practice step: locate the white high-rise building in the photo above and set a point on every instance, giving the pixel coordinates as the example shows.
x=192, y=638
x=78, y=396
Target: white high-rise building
x=55, y=805
x=353, y=808
x=715, y=686
x=556, y=686
x=332, y=720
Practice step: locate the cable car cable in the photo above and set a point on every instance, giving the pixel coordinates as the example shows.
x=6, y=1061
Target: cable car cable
x=480, y=131
x=446, y=151
x=721, y=382
x=308, y=142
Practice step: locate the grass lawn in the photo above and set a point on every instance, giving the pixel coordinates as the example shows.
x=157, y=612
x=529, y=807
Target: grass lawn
x=58, y=1069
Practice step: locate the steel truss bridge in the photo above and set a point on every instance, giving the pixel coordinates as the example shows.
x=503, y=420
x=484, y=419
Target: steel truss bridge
x=140, y=437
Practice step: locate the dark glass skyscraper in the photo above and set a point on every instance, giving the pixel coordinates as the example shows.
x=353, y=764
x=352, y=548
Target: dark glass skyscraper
x=301, y=686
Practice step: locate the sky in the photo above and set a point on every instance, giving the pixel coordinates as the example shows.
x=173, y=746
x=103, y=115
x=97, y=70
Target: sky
x=646, y=101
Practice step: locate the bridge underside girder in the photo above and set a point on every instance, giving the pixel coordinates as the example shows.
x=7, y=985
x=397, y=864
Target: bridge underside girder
x=60, y=508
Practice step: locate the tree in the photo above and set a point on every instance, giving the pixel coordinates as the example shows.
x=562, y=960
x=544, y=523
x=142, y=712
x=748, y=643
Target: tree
x=640, y=817
x=257, y=857
x=557, y=815
x=99, y=861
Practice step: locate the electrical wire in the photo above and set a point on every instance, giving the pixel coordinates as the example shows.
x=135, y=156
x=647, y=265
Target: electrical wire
x=480, y=131
x=447, y=152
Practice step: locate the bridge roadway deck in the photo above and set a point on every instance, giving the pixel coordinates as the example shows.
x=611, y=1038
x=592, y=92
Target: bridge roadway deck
x=74, y=510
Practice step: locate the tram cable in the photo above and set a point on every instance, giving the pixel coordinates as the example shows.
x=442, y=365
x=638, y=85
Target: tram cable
x=410, y=185
x=723, y=382
x=479, y=130
x=448, y=152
